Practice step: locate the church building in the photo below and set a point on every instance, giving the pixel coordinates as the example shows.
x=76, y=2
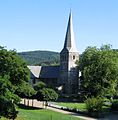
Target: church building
x=64, y=78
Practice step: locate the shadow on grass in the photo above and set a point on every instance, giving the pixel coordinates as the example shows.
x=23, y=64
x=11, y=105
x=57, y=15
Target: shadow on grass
x=28, y=107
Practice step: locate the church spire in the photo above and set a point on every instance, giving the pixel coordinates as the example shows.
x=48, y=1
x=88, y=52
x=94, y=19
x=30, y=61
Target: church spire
x=69, y=39
x=68, y=57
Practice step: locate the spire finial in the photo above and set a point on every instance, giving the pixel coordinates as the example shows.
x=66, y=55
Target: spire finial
x=70, y=11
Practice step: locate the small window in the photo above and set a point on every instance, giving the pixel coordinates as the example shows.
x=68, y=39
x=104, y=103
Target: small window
x=73, y=57
x=34, y=81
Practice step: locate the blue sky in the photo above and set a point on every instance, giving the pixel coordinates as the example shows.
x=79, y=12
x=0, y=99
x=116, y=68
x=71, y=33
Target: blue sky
x=27, y=25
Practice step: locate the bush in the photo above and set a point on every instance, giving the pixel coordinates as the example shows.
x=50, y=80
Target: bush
x=114, y=105
x=94, y=104
x=7, y=109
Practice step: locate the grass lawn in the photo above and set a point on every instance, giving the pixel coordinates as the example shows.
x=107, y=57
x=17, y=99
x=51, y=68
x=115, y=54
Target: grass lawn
x=42, y=114
x=29, y=113
x=80, y=106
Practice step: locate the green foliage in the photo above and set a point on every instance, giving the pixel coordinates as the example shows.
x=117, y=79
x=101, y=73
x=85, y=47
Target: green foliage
x=43, y=93
x=13, y=74
x=7, y=108
x=11, y=64
x=40, y=85
x=94, y=104
x=25, y=90
x=114, y=105
x=99, y=71
x=7, y=90
x=42, y=58
x=49, y=94
x=7, y=98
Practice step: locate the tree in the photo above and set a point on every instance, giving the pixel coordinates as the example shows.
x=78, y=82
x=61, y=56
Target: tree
x=13, y=73
x=12, y=65
x=99, y=71
x=7, y=99
x=49, y=94
x=40, y=85
x=7, y=108
x=44, y=93
x=25, y=91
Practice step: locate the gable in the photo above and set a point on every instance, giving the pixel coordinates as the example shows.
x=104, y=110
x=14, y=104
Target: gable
x=44, y=71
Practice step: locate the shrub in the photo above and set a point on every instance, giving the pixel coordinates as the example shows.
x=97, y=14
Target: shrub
x=114, y=105
x=7, y=108
x=94, y=104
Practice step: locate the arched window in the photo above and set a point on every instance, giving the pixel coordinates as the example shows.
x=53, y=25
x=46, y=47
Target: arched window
x=73, y=57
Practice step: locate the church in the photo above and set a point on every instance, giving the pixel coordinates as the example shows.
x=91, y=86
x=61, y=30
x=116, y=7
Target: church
x=63, y=78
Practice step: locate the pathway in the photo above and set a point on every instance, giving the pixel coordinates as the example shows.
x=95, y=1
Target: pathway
x=40, y=105
x=72, y=113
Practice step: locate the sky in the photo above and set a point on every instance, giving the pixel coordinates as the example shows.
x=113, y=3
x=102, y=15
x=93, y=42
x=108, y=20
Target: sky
x=28, y=25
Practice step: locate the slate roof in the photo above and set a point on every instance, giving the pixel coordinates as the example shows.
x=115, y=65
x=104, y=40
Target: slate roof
x=69, y=39
x=44, y=71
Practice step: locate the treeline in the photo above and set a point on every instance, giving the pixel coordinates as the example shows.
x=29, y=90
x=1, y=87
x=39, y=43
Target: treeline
x=43, y=58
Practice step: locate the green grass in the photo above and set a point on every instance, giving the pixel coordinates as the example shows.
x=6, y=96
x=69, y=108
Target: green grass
x=80, y=106
x=42, y=114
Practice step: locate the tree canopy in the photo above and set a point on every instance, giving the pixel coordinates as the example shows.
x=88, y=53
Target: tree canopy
x=44, y=93
x=99, y=68
x=14, y=74
x=13, y=66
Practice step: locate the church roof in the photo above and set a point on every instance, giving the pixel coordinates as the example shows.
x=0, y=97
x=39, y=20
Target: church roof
x=44, y=71
x=69, y=39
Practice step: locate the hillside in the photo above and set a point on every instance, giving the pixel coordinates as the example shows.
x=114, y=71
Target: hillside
x=40, y=57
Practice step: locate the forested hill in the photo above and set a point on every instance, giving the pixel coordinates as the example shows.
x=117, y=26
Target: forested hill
x=40, y=57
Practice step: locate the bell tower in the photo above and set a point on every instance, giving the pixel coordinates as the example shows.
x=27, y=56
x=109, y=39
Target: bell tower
x=68, y=67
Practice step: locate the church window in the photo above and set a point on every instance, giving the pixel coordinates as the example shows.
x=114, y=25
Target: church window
x=34, y=81
x=73, y=57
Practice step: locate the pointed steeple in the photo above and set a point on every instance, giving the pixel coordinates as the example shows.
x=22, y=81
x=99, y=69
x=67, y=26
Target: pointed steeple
x=69, y=39
x=68, y=68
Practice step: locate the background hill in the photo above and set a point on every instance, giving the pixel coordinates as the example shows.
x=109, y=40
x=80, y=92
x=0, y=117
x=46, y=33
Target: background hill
x=40, y=57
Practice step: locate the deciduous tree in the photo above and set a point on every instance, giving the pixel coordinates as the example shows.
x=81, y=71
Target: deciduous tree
x=13, y=74
x=99, y=71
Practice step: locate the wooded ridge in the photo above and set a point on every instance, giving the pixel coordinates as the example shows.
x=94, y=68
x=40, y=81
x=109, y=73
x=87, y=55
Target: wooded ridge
x=40, y=57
